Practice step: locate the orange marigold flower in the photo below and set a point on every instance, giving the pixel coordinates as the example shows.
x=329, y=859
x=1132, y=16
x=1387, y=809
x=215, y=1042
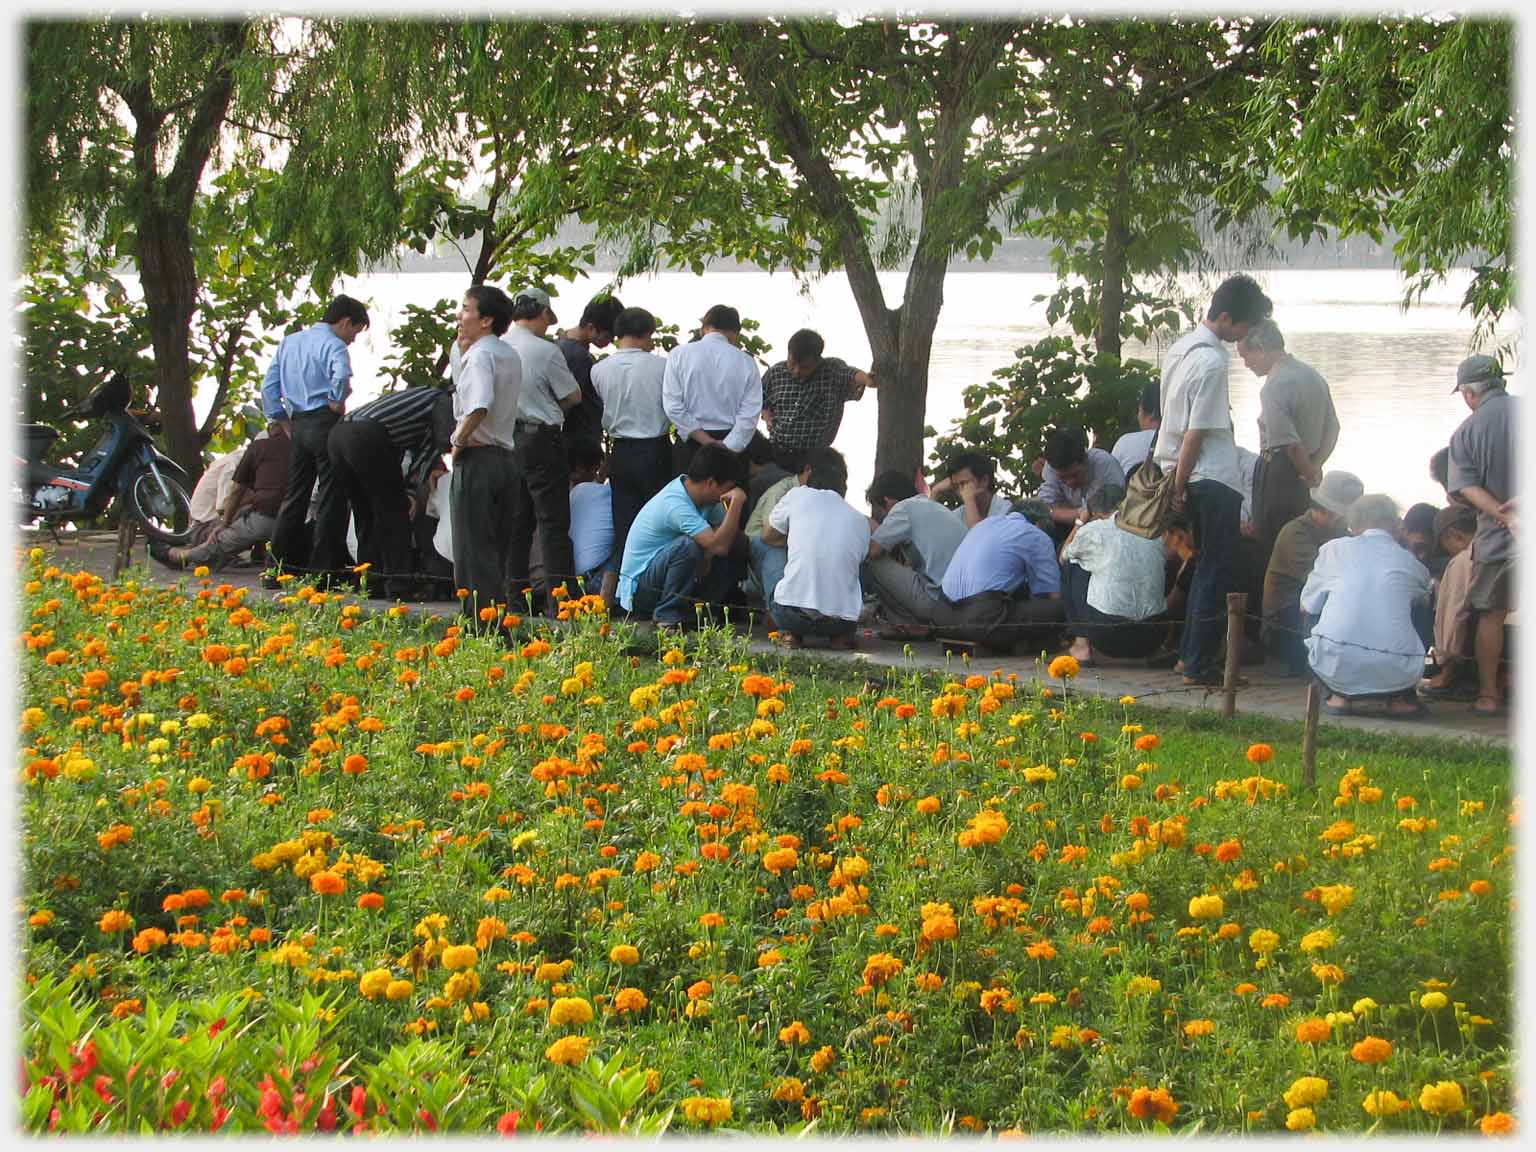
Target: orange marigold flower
x=1372, y=1050
x=1313, y=1031
x=370, y=901
x=355, y=764
x=115, y=921
x=328, y=883
x=1260, y=753
x=1153, y=1104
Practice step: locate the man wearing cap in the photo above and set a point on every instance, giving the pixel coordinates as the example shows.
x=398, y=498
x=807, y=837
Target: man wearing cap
x=542, y=495
x=803, y=398
x=1482, y=474
x=1298, y=429
x=1291, y=562
x=712, y=390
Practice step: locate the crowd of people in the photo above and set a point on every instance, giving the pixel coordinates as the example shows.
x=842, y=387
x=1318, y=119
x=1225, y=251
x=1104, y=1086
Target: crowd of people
x=684, y=487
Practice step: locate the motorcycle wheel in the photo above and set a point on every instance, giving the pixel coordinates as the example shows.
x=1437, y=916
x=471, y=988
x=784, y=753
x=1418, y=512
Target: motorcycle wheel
x=165, y=520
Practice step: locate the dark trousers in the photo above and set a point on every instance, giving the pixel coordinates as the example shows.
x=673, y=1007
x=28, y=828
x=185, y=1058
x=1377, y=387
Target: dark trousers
x=680, y=577
x=326, y=549
x=481, y=508
x=684, y=449
x=1213, y=512
x=366, y=467
x=541, y=499
x=801, y=622
x=637, y=470
x=1285, y=635
x=1112, y=635
x=1279, y=496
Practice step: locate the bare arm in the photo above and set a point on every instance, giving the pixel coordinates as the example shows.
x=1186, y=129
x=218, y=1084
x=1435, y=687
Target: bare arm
x=1310, y=473
x=466, y=428
x=1484, y=501
x=232, y=503
x=1189, y=449
x=772, y=536
x=717, y=541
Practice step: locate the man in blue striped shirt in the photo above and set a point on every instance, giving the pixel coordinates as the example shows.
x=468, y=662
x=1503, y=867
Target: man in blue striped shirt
x=307, y=386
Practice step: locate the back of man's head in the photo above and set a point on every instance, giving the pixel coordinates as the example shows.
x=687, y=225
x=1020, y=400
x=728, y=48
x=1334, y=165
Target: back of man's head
x=1419, y=520
x=1374, y=510
x=759, y=450
x=492, y=303
x=1152, y=401
x=806, y=347
x=1440, y=467
x=723, y=318
x=1241, y=299
x=635, y=323
x=1455, y=518
x=827, y=469
x=585, y=456
x=1037, y=512
x=1105, y=500
x=718, y=463
x=346, y=308
x=1065, y=447
x=892, y=485
x=977, y=464
x=601, y=313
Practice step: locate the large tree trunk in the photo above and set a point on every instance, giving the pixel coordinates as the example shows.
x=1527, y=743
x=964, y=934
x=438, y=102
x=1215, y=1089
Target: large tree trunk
x=170, y=295
x=1117, y=236
x=904, y=393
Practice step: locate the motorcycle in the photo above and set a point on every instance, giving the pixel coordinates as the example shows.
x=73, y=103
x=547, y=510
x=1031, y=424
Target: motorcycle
x=125, y=464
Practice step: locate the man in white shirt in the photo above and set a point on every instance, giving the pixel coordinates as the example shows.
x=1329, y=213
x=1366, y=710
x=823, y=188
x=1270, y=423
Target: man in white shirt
x=973, y=477
x=487, y=377
x=1363, y=591
x=629, y=384
x=712, y=390
x=1132, y=448
x=1114, y=585
x=820, y=594
x=542, y=496
x=1194, y=443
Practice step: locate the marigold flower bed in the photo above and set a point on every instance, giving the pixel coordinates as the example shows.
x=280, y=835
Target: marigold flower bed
x=301, y=868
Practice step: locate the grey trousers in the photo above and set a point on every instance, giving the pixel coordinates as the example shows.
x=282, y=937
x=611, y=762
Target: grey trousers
x=991, y=618
x=484, y=482
x=223, y=544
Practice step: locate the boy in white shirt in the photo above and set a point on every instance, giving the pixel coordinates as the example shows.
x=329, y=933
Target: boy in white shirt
x=1114, y=582
x=820, y=594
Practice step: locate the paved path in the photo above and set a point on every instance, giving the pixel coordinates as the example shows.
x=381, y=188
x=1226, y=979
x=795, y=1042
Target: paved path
x=1267, y=693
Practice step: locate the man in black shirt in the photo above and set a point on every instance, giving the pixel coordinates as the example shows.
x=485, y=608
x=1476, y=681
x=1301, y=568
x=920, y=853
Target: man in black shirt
x=368, y=451
x=584, y=423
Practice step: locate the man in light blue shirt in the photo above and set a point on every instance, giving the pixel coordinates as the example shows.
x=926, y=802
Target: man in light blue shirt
x=1003, y=554
x=307, y=387
x=678, y=552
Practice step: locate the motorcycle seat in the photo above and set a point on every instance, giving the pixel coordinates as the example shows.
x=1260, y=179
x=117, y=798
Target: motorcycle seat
x=36, y=439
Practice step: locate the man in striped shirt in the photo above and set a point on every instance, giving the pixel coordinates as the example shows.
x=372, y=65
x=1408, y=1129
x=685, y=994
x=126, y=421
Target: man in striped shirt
x=380, y=455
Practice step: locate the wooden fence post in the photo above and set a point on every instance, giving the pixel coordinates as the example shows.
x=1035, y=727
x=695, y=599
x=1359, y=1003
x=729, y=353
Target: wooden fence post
x=1309, y=736
x=1236, y=603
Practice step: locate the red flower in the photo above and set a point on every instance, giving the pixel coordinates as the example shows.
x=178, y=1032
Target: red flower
x=508, y=1123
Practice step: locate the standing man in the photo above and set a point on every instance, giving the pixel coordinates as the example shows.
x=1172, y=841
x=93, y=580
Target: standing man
x=712, y=390
x=368, y=449
x=542, y=495
x=306, y=387
x=1298, y=429
x=1073, y=473
x=584, y=423
x=1195, y=445
x=1132, y=448
x=487, y=378
x=803, y=398
x=1482, y=474
x=628, y=385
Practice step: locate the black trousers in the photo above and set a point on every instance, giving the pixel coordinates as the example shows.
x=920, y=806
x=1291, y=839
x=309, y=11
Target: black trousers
x=683, y=451
x=637, y=470
x=366, y=466
x=480, y=504
x=541, y=499
x=1279, y=496
x=325, y=550
x=1112, y=635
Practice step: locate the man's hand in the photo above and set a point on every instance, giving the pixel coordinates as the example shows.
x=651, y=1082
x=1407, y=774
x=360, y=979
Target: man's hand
x=1508, y=514
x=1177, y=500
x=969, y=490
x=336, y=406
x=1037, y=466
x=1247, y=528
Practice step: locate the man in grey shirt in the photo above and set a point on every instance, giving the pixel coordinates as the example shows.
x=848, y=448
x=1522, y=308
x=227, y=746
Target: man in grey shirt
x=1482, y=474
x=909, y=551
x=1298, y=428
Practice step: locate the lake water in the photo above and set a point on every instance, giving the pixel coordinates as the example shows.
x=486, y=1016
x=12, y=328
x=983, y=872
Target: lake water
x=1391, y=371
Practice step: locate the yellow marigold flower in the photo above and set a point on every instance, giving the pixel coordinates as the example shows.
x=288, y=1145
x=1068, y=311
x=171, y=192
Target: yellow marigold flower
x=1385, y=1103
x=1195, y=1028
x=115, y=920
x=1442, y=1099
x=1062, y=668
x=568, y=1050
x=1363, y=1006
x=789, y=1090
x=374, y=983
x=568, y=1010
x=1305, y=1092
x=707, y=1111
x=1336, y=897
x=1143, y=986
x=1433, y=1001
x=794, y=1033
x=460, y=956
x=624, y=954
x=399, y=990
x=822, y=1059
x=1301, y=1119
x=629, y=1000
x=1318, y=940
x=1263, y=941
x=881, y=967
x=1206, y=908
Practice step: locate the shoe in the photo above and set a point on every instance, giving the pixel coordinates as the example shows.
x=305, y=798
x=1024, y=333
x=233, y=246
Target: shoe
x=161, y=553
x=1451, y=691
x=1166, y=658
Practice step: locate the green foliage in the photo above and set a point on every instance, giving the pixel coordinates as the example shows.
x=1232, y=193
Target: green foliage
x=1050, y=384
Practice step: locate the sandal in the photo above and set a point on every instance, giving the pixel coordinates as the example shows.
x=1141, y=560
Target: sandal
x=1496, y=710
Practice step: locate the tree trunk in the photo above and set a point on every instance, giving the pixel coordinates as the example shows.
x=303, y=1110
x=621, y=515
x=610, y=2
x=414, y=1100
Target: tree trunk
x=904, y=395
x=1117, y=236
x=170, y=295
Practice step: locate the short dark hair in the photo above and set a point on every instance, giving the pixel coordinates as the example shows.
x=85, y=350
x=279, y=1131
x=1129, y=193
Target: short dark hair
x=890, y=485
x=584, y=454
x=1106, y=499
x=977, y=464
x=1065, y=447
x=715, y=462
x=1455, y=518
x=1241, y=298
x=345, y=308
x=723, y=318
x=602, y=311
x=759, y=449
x=527, y=307
x=806, y=347
x=828, y=470
x=491, y=302
x=1152, y=400
x=1440, y=467
x=633, y=322
x=1420, y=520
